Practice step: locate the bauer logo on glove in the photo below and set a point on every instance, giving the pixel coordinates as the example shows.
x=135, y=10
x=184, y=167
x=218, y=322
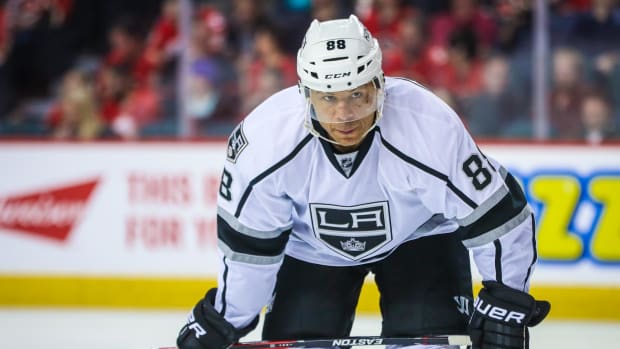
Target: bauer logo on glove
x=193, y=325
x=498, y=313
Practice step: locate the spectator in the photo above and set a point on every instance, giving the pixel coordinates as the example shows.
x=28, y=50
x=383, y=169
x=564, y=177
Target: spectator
x=42, y=48
x=126, y=47
x=141, y=107
x=383, y=20
x=464, y=14
x=567, y=88
x=213, y=82
x=595, y=32
x=269, y=59
x=497, y=110
x=327, y=9
x=75, y=116
x=112, y=86
x=596, y=118
x=162, y=46
x=411, y=58
x=203, y=96
x=462, y=74
x=246, y=16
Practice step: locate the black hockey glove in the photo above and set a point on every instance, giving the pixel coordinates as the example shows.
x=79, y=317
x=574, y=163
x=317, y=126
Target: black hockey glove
x=207, y=329
x=502, y=315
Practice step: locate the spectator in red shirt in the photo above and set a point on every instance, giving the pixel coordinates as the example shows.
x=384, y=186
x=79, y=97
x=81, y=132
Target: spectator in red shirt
x=464, y=14
x=111, y=87
x=462, y=73
x=410, y=58
x=384, y=20
x=161, y=45
x=126, y=49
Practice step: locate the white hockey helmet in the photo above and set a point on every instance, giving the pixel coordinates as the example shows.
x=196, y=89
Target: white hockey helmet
x=340, y=55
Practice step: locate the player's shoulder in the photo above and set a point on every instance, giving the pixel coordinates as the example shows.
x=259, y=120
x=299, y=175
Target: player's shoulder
x=269, y=132
x=409, y=98
x=416, y=121
x=411, y=105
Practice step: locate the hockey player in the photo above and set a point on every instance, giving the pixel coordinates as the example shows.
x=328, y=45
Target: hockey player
x=351, y=173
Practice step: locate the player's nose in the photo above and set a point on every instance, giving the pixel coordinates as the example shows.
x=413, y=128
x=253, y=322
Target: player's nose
x=344, y=112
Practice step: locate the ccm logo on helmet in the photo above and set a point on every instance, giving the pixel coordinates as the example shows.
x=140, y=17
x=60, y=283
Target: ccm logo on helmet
x=498, y=313
x=336, y=76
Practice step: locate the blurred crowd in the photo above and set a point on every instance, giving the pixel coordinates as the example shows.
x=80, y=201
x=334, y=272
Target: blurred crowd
x=78, y=69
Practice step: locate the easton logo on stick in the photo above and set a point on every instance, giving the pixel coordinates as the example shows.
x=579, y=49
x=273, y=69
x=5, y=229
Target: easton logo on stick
x=357, y=341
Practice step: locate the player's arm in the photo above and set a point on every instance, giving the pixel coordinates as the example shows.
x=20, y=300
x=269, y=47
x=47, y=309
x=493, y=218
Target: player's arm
x=253, y=226
x=497, y=224
x=249, y=262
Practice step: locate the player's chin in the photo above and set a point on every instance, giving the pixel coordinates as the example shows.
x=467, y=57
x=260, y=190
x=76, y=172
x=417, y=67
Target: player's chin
x=349, y=141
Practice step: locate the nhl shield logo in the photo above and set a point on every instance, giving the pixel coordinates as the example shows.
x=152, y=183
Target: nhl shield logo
x=352, y=231
x=236, y=143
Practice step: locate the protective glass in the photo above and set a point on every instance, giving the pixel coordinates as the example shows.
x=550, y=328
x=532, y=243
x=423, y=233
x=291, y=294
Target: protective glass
x=344, y=106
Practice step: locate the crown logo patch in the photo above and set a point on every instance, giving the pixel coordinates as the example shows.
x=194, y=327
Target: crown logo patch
x=353, y=245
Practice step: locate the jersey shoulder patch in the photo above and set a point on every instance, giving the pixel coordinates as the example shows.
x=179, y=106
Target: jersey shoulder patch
x=237, y=142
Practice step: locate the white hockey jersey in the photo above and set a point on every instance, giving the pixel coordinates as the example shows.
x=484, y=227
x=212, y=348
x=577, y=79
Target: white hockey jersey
x=418, y=173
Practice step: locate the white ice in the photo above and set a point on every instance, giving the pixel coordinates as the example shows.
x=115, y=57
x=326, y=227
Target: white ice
x=22, y=328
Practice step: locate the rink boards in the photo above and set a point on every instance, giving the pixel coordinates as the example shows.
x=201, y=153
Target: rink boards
x=117, y=224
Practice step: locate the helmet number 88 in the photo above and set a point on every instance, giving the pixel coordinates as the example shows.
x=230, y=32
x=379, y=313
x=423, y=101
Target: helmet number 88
x=334, y=44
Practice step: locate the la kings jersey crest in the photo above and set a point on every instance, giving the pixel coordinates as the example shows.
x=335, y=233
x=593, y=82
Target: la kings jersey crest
x=352, y=231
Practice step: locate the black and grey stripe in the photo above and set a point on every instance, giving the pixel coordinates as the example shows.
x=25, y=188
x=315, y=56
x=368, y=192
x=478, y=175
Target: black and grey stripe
x=255, y=248
x=502, y=212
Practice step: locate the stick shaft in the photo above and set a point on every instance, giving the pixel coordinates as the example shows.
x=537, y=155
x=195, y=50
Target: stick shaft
x=352, y=341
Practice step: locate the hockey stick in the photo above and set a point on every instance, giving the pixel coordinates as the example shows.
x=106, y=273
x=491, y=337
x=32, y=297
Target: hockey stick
x=356, y=341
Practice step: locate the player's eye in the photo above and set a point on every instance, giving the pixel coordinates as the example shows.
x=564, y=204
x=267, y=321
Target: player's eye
x=329, y=98
x=357, y=94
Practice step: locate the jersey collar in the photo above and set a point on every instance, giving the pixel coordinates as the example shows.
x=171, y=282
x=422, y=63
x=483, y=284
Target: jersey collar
x=330, y=150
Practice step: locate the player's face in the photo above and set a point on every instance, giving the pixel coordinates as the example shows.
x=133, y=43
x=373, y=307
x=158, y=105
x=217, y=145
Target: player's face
x=346, y=116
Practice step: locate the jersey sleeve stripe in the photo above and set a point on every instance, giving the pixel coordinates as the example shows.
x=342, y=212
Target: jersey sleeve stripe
x=489, y=236
x=534, y=254
x=495, y=220
x=242, y=229
x=224, y=289
x=248, y=258
x=269, y=171
x=487, y=205
x=431, y=172
x=498, y=260
x=244, y=244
